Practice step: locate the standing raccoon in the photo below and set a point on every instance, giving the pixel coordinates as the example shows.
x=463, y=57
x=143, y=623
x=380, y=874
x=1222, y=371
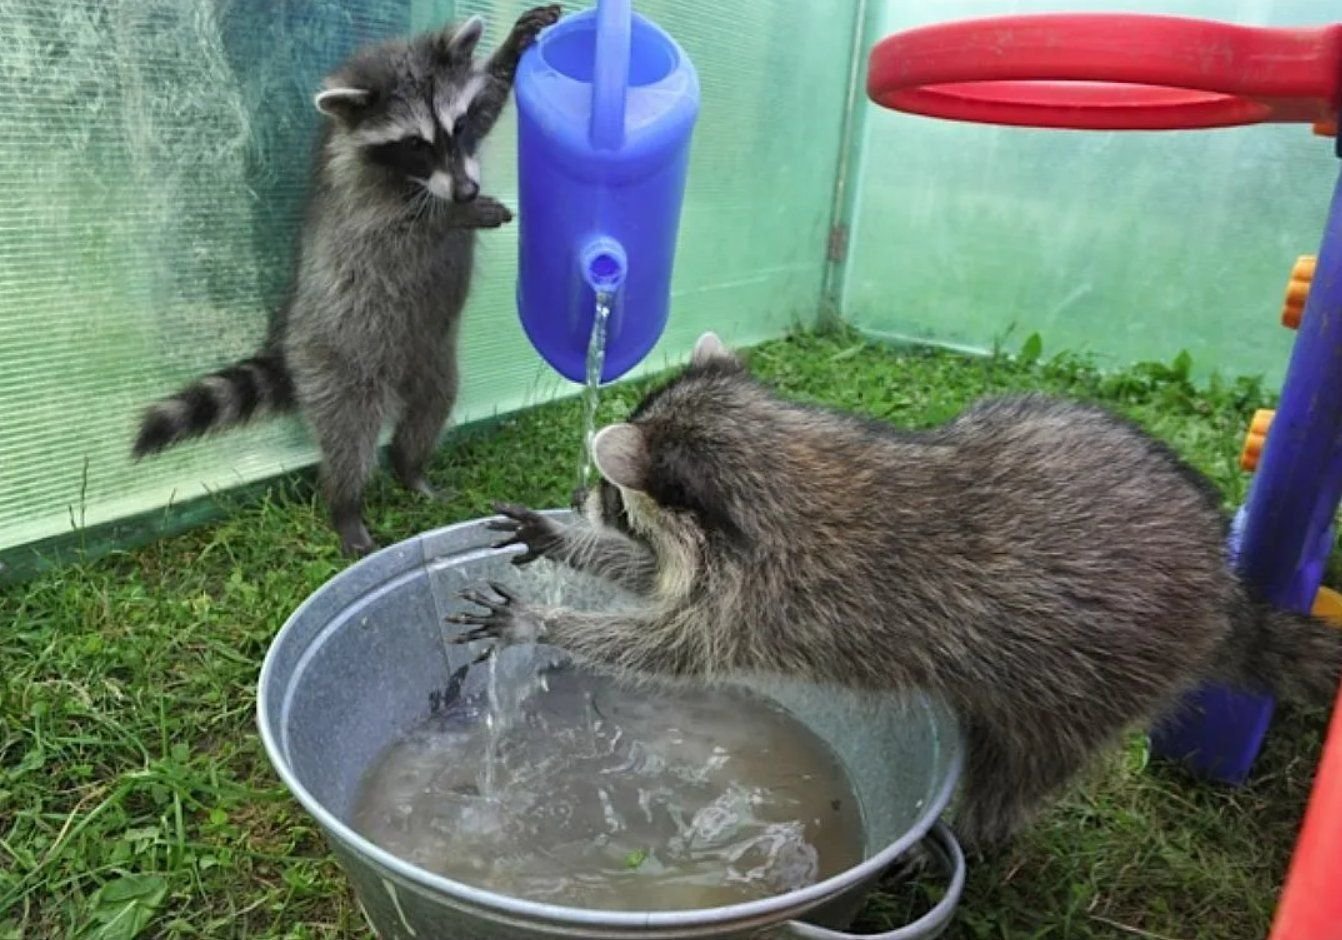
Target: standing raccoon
x=1051, y=571
x=384, y=266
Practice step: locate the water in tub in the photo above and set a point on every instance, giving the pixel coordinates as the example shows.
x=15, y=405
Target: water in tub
x=613, y=797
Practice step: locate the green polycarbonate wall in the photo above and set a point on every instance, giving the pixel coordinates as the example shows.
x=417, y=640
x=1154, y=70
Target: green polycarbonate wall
x=1129, y=245
x=154, y=156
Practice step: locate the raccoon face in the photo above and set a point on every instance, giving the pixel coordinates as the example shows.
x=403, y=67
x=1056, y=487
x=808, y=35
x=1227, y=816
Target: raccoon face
x=409, y=116
x=682, y=458
x=603, y=505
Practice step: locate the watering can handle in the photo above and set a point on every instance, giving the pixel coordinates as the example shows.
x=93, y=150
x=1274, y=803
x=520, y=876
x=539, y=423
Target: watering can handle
x=610, y=74
x=943, y=844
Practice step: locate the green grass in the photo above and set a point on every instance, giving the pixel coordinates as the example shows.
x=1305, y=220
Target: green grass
x=135, y=798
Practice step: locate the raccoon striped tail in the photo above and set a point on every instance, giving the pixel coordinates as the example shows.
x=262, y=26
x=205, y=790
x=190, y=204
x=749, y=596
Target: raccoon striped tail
x=1294, y=656
x=218, y=401
x=1301, y=656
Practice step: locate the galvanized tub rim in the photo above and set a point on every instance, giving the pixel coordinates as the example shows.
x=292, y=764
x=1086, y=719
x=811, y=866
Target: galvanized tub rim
x=776, y=908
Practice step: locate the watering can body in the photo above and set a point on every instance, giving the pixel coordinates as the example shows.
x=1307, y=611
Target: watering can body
x=606, y=105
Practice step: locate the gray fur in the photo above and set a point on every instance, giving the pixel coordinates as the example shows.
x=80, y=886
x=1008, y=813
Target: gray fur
x=1051, y=570
x=369, y=332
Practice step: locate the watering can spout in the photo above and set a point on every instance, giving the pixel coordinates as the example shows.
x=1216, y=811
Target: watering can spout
x=603, y=266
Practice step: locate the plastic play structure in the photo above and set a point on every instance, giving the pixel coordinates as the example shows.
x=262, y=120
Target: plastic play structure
x=1136, y=72
x=606, y=105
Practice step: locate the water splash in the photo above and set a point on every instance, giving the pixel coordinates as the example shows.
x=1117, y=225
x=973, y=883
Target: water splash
x=508, y=690
x=496, y=718
x=616, y=797
x=596, y=362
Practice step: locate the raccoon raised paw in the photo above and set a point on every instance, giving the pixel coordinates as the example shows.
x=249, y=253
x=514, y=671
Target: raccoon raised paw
x=488, y=212
x=524, y=527
x=530, y=23
x=502, y=618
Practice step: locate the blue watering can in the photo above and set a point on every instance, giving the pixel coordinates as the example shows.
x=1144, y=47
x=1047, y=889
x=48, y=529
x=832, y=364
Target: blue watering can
x=606, y=105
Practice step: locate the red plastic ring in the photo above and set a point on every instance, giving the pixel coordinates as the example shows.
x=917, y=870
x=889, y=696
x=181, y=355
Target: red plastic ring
x=1105, y=71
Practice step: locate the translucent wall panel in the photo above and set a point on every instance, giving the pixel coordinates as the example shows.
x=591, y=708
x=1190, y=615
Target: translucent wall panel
x=1132, y=246
x=154, y=159
x=154, y=155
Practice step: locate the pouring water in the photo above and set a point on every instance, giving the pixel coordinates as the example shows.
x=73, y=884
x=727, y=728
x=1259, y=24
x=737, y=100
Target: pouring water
x=596, y=360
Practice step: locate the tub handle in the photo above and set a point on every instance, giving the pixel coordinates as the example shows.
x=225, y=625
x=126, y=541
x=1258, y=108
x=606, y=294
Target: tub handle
x=942, y=842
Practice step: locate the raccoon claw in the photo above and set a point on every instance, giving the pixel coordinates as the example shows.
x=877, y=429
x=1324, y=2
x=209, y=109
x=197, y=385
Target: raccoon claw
x=470, y=636
x=515, y=512
x=524, y=527
x=530, y=23
x=480, y=598
x=426, y=489
x=488, y=212
x=508, y=596
x=355, y=542
x=503, y=617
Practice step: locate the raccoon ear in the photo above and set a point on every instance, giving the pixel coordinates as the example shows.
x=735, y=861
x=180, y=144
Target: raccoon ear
x=711, y=349
x=458, y=42
x=621, y=455
x=343, y=103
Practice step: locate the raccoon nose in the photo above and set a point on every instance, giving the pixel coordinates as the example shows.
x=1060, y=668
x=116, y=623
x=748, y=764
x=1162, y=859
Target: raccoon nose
x=465, y=191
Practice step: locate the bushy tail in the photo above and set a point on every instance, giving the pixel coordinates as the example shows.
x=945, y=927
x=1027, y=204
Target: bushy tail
x=1296, y=657
x=217, y=401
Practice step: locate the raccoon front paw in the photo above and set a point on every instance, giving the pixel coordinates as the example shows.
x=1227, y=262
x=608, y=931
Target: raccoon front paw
x=530, y=23
x=504, y=618
x=525, y=527
x=488, y=212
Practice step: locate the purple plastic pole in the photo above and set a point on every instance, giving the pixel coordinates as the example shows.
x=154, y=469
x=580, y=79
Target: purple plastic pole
x=1299, y=480
x=1284, y=542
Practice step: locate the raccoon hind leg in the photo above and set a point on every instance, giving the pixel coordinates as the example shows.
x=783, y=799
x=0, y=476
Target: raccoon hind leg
x=427, y=402
x=346, y=427
x=1009, y=777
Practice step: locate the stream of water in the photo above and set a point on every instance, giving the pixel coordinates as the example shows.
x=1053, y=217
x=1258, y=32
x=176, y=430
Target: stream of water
x=596, y=361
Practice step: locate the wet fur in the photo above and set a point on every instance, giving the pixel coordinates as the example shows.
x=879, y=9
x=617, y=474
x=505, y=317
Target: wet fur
x=369, y=332
x=1051, y=570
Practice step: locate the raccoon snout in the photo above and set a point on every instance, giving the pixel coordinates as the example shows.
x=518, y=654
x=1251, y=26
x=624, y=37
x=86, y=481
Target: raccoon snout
x=465, y=190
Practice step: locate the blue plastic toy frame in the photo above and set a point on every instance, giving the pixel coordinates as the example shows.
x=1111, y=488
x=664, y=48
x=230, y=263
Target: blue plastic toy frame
x=1283, y=535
